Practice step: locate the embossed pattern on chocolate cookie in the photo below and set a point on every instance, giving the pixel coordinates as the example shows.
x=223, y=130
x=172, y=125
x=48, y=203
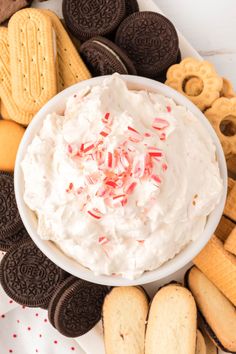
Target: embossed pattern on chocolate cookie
x=150, y=40
x=89, y=18
x=131, y=6
x=7, y=242
x=28, y=276
x=104, y=57
x=10, y=221
x=79, y=308
x=57, y=295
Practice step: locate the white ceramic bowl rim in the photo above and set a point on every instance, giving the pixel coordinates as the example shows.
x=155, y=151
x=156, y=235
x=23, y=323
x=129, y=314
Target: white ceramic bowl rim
x=57, y=104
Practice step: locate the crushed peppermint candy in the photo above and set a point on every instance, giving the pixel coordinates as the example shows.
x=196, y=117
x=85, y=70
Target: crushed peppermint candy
x=120, y=169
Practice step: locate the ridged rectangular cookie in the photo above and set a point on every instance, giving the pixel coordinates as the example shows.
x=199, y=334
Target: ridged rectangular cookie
x=224, y=228
x=230, y=244
x=230, y=206
x=219, y=266
x=71, y=68
x=32, y=51
x=5, y=83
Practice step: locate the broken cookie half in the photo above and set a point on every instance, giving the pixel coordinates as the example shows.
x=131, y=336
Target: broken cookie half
x=218, y=313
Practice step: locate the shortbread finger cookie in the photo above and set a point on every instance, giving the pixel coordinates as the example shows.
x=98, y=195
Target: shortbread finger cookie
x=227, y=89
x=32, y=51
x=219, y=266
x=230, y=244
x=172, y=322
x=124, y=320
x=209, y=82
x=218, y=314
x=71, y=68
x=230, y=206
x=7, y=100
x=222, y=116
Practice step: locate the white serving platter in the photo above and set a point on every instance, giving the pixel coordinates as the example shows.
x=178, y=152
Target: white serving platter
x=92, y=342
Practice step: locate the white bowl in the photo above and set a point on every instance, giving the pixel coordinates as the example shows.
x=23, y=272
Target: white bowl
x=55, y=254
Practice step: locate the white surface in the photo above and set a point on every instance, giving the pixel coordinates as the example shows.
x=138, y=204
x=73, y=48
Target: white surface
x=210, y=27
x=214, y=37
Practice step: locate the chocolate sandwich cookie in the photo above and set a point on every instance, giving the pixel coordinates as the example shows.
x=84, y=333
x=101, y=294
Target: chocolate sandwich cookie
x=28, y=276
x=103, y=57
x=7, y=242
x=150, y=40
x=162, y=77
x=79, y=307
x=131, y=6
x=89, y=18
x=57, y=295
x=10, y=221
x=9, y=7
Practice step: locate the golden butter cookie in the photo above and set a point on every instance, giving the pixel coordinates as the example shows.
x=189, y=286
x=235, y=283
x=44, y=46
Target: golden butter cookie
x=4, y=113
x=227, y=89
x=208, y=83
x=230, y=205
x=71, y=68
x=10, y=137
x=222, y=116
x=33, y=57
x=194, y=86
x=5, y=83
x=219, y=266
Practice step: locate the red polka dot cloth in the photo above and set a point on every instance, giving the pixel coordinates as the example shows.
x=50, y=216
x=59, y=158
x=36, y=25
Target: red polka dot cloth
x=25, y=330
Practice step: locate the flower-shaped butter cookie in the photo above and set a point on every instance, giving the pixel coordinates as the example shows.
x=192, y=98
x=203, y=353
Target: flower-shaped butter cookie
x=222, y=116
x=197, y=80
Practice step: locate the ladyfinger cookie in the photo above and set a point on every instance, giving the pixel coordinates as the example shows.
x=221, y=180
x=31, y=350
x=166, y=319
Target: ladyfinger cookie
x=5, y=83
x=33, y=57
x=219, y=266
x=71, y=68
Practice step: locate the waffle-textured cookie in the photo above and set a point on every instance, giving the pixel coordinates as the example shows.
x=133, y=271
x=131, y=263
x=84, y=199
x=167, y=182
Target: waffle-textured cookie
x=222, y=116
x=205, y=90
x=71, y=68
x=103, y=57
x=87, y=19
x=33, y=58
x=219, y=266
x=150, y=41
x=224, y=228
x=11, y=134
x=10, y=221
x=13, y=110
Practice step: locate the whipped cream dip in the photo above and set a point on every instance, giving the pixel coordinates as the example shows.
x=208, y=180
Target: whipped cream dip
x=123, y=181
